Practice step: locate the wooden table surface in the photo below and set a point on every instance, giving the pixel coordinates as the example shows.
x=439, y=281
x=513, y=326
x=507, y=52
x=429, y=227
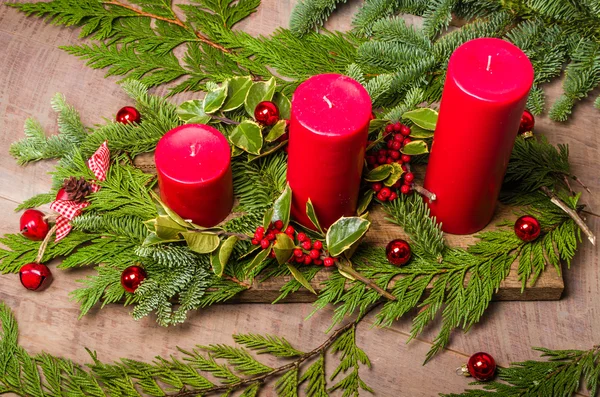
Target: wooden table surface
x=33, y=69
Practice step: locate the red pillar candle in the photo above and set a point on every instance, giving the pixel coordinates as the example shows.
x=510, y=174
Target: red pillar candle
x=329, y=127
x=193, y=163
x=484, y=96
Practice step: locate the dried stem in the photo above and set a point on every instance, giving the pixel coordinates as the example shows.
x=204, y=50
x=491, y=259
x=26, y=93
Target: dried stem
x=424, y=192
x=44, y=245
x=225, y=120
x=237, y=281
x=576, y=179
x=569, y=211
x=345, y=266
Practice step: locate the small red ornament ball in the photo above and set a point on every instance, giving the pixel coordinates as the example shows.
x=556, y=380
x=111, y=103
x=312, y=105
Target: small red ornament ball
x=481, y=366
x=266, y=113
x=527, y=122
x=128, y=114
x=398, y=252
x=35, y=276
x=527, y=228
x=132, y=277
x=33, y=225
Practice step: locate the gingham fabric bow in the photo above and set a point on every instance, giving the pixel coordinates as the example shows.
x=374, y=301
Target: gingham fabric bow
x=68, y=209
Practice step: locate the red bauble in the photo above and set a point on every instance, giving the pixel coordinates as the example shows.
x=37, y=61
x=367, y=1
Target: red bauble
x=33, y=225
x=481, y=366
x=398, y=252
x=62, y=195
x=266, y=113
x=132, y=277
x=527, y=228
x=35, y=276
x=527, y=122
x=127, y=115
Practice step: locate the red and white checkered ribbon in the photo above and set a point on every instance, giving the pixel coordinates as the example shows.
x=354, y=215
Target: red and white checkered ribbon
x=67, y=210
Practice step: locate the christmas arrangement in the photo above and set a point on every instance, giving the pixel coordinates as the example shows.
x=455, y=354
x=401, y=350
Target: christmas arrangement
x=241, y=203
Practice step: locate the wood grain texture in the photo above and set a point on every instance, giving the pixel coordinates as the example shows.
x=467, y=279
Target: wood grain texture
x=33, y=69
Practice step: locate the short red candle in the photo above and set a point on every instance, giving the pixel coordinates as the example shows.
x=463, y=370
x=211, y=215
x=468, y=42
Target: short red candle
x=484, y=96
x=193, y=162
x=329, y=127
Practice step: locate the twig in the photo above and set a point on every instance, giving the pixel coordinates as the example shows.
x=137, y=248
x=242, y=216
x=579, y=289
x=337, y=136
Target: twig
x=424, y=192
x=569, y=211
x=175, y=21
x=237, y=281
x=346, y=267
x=591, y=213
x=44, y=245
x=568, y=185
x=576, y=179
x=225, y=120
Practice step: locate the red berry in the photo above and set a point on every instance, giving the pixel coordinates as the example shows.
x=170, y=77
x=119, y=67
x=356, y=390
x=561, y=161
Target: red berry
x=377, y=186
x=398, y=184
x=314, y=254
x=409, y=177
x=404, y=168
x=396, y=145
x=405, y=158
x=405, y=130
x=298, y=253
x=270, y=236
x=317, y=262
x=389, y=128
x=389, y=144
x=299, y=259
x=128, y=114
x=33, y=225
x=266, y=113
x=380, y=197
x=395, y=154
x=35, y=276
x=301, y=237
x=278, y=225
x=318, y=245
x=306, y=245
x=254, y=241
x=381, y=159
x=307, y=260
x=389, y=160
x=272, y=254
x=398, y=127
x=289, y=230
x=371, y=160
x=382, y=152
x=393, y=196
x=132, y=277
x=62, y=195
x=405, y=189
x=399, y=138
x=406, y=141
x=260, y=231
x=264, y=243
x=385, y=192
x=328, y=262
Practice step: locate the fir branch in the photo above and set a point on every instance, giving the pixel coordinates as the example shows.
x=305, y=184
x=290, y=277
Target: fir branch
x=37, y=201
x=309, y=15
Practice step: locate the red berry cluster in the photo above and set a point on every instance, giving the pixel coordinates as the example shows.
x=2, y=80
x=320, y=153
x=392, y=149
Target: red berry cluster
x=397, y=136
x=307, y=252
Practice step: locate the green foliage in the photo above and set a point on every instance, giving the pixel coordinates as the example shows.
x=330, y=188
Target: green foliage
x=562, y=374
x=308, y=16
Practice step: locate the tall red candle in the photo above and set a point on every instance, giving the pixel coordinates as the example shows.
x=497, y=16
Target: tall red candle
x=484, y=96
x=329, y=127
x=193, y=163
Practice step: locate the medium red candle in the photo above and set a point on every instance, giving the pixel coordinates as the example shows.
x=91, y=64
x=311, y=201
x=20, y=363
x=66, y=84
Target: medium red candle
x=484, y=96
x=329, y=127
x=193, y=162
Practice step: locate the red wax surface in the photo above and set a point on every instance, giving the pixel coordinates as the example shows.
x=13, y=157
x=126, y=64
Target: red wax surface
x=328, y=134
x=193, y=162
x=484, y=96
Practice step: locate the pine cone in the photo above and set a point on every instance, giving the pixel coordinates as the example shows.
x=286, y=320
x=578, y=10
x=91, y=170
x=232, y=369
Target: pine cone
x=77, y=188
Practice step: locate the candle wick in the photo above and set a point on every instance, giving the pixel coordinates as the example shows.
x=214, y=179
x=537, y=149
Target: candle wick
x=328, y=101
x=489, y=63
x=193, y=148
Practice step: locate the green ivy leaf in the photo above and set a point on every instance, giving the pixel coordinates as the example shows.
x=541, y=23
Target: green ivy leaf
x=423, y=117
x=236, y=93
x=276, y=131
x=420, y=133
x=415, y=148
x=364, y=201
x=395, y=175
x=260, y=91
x=220, y=257
x=344, y=233
x=167, y=228
x=284, y=248
x=379, y=174
x=215, y=99
x=202, y=243
x=300, y=278
x=282, y=207
x=247, y=136
x=312, y=215
x=192, y=112
x=283, y=104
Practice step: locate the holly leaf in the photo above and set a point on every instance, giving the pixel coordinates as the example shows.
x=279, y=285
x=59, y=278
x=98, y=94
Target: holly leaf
x=236, y=93
x=282, y=207
x=377, y=124
x=364, y=201
x=267, y=218
x=284, y=248
x=215, y=99
x=267, y=151
x=153, y=239
x=379, y=174
x=283, y=104
x=423, y=117
x=420, y=133
x=260, y=91
x=276, y=131
x=415, y=148
x=202, y=243
x=312, y=215
x=395, y=175
x=163, y=209
x=300, y=278
x=220, y=257
x=258, y=259
x=344, y=233
x=192, y=112
x=167, y=228
x=247, y=136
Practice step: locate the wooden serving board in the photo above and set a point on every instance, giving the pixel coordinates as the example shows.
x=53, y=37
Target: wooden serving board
x=549, y=286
